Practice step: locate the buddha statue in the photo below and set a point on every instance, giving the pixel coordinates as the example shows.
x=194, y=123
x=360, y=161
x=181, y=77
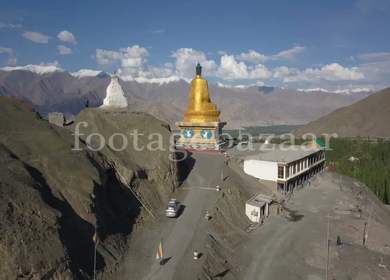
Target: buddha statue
x=200, y=109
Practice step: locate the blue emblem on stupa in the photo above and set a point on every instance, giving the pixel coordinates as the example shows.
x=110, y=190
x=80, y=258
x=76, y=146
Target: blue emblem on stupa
x=206, y=134
x=188, y=133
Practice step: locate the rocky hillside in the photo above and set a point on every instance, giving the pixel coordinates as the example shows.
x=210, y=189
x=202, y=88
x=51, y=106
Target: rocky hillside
x=367, y=118
x=51, y=197
x=166, y=100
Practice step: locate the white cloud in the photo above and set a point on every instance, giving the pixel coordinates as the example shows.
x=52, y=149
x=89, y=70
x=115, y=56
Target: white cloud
x=331, y=77
x=290, y=54
x=157, y=31
x=222, y=52
x=134, y=51
x=168, y=65
x=12, y=60
x=351, y=58
x=107, y=58
x=153, y=72
x=55, y=63
x=331, y=72
x=9, y=25
x=68, y=37
x=64, y=50
x=132, y=61
x=230, y=69
x=260, y=72
x=186, y=60
x=36, y=37
x=15, y=25
x=366, y=77
x=6, y=50
x=376, y=73
x=375, y=56
x=253, y=57
x=130, y=57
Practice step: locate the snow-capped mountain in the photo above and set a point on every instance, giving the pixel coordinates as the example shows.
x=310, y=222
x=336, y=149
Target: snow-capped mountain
x=37, y=69
x=341, y=91
x=86, y=73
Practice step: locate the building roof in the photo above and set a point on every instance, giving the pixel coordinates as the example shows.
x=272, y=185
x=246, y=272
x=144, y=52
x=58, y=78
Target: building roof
x=259, y=200
x=316, y=143
x=282, y=154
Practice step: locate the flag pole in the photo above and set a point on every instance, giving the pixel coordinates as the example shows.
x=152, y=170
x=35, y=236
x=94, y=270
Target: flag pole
x=162, y=258
x=94, y=258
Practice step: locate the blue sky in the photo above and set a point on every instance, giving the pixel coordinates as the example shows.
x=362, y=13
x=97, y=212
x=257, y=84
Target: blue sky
x=297, y=44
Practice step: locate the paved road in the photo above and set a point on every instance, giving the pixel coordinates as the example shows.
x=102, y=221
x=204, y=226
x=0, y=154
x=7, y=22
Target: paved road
x=179, y=243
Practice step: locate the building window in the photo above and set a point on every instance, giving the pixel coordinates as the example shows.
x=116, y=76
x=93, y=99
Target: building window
x=299, y=166
x=287, y=171
x=281, y=172
x=294, y=169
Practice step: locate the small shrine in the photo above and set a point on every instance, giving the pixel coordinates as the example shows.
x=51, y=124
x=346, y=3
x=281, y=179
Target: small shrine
x=115, y=96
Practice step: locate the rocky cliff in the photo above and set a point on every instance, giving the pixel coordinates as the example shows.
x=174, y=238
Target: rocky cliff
x=51, y=197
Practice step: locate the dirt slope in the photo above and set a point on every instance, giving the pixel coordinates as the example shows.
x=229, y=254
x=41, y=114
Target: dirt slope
x=368, y=117
x=51, y=197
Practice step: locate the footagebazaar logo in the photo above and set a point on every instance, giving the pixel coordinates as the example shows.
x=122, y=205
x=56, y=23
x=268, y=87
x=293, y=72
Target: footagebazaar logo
x=137, y=141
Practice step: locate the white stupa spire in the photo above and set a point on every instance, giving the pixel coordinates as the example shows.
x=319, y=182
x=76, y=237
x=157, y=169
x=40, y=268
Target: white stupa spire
x=115, y=96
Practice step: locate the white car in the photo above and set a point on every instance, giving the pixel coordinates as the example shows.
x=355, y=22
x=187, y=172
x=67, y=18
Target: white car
x=173, y=208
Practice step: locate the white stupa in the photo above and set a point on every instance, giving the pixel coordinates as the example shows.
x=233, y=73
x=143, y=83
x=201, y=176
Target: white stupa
x=115, y=96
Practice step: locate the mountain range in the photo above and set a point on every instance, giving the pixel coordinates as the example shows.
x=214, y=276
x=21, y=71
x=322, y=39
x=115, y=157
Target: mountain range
x=50, y=88
x=366, y=118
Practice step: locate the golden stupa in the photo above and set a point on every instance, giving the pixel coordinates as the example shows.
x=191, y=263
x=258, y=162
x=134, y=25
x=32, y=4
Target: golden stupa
x=202, y=128
x=200, y=109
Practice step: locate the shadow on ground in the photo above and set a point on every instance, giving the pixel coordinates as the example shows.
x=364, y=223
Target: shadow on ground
x=222, y=274
x=185, y=164
x=293, y=215
x=181, y=210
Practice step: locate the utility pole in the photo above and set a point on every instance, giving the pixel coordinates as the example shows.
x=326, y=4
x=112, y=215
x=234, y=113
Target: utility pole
x=239, y=132
x=364, y=233
x=327, y=250
x=369, y=219
x=94, y=257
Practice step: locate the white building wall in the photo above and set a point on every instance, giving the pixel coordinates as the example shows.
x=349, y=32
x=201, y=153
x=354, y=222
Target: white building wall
x=264, y=170
x=256, y=219
x=248, y=212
